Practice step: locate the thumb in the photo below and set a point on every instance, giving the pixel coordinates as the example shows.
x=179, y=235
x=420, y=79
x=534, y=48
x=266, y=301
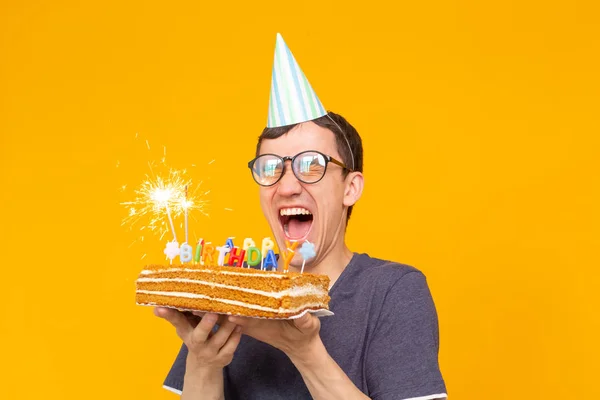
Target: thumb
x=307, y=322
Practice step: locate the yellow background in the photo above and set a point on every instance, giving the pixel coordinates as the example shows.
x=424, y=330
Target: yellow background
x=480, y=124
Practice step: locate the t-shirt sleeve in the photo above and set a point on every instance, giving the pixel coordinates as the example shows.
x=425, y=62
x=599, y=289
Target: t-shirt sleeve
x=402, y=357
x=174, y=379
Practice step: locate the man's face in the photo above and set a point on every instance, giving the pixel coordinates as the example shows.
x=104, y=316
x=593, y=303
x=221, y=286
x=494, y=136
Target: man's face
x=298, y=211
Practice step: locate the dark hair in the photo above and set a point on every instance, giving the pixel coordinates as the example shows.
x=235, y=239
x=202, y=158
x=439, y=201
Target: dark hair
x=347, y=139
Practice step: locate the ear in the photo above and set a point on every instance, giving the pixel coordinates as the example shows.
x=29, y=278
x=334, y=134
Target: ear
x=354, y=188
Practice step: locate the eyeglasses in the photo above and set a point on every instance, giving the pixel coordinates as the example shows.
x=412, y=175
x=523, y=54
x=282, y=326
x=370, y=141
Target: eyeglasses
x=308, y=166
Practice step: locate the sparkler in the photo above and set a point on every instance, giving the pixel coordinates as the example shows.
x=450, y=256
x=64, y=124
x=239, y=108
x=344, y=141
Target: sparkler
x=161, y=196
x=164, y=196
x=185, y=210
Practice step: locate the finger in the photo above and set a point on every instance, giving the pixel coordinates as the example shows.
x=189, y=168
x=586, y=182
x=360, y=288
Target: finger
x=203, y=329
x=305, y=322
x=241, y=321
x=233, y=341
x=193, y=319
x=222, y=319
x=219, y=338
x=177, y=319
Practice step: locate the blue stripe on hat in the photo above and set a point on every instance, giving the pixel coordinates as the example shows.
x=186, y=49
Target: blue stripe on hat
x=279, y=110
x=293, y=67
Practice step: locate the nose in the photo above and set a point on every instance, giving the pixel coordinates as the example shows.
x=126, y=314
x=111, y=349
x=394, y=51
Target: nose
x=289, y=185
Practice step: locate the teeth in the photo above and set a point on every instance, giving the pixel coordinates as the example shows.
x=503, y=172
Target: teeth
x=294, y=211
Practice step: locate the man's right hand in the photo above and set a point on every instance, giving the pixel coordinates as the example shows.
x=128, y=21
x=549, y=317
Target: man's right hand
x=208, y=351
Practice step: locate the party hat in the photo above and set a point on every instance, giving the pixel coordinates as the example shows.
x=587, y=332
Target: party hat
x=292, y=98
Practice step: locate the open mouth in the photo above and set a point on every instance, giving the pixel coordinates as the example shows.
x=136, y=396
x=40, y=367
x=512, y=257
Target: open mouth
x=296, y=222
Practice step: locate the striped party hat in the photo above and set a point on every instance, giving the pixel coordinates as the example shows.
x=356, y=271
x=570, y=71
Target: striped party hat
x=292, y=98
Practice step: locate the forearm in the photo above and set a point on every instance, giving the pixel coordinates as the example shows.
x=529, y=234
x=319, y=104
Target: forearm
x=323, y=377
x=202, y=383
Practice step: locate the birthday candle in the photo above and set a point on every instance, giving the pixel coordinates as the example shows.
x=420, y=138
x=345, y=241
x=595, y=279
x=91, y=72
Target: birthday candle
x=270, y=260
x=185, y=253
x=223, y=250
x=236, y=254
x=171, y=250
x=289, y=254
x=208, y=252
x=253, y=256
x=267, y=244
x=307, y=251
x=198, y=251
x=248, y=242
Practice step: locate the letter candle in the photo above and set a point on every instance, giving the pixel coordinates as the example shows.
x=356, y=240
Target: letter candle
x=248, y=242
x=236, y=254
x=289, y=254
x=208, y=252
x=185, y=253
x=198, y=255
x=270, y=260
x=253, y=256
x=267, y=244
x=223, y=250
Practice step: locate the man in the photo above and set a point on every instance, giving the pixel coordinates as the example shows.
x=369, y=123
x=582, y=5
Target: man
x=382, y=342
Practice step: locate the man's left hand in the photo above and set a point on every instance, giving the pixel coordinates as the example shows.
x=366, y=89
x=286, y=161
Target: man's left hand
x=294, y=337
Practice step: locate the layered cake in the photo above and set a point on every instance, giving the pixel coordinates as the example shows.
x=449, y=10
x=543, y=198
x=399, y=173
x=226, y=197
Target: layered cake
x=232, y=290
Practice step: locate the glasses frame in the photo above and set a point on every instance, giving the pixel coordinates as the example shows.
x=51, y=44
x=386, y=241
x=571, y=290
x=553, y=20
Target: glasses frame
x=328, y=159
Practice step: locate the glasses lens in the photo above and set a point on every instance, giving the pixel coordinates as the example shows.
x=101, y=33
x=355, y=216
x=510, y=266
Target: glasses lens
x=309, y=166
x=267, y=169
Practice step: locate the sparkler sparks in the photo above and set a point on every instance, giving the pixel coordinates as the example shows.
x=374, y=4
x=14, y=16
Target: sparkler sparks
x=162, y=198
x=165, y=197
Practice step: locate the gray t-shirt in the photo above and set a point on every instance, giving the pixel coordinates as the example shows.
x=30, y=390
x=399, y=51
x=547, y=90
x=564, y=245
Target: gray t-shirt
x=384, y=335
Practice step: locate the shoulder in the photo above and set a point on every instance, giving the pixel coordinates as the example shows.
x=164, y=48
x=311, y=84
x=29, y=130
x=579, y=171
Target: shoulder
x=374, y=270
x=393, y=285
x=384, y=282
